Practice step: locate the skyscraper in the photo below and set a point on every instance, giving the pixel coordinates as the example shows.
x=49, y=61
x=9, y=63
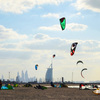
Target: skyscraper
x=2, y=78
x=22, y=78
x=40, y=80
x=26, y=76
x=18, y=77
x=49, y=74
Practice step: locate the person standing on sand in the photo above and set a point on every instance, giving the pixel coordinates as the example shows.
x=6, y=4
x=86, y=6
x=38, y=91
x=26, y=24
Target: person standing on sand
x=0, y=84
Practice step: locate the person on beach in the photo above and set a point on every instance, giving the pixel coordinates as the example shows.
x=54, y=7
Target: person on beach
x=52, y=84
x=0, y=84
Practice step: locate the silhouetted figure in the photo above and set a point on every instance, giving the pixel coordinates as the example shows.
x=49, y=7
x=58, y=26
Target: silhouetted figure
x=0, y=84
x=52, y=84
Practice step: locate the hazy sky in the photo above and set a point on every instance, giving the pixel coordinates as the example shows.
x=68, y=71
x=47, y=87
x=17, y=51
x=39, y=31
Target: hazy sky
x=30, y=34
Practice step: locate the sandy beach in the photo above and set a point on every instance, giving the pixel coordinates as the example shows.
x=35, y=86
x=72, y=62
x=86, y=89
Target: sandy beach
x=30, y=93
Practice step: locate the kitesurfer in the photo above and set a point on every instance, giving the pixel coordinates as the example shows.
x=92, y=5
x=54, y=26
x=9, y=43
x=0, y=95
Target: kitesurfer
x=0, y=84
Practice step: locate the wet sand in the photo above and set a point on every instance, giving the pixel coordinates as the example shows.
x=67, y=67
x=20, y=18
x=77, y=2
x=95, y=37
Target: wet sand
x=30, y=93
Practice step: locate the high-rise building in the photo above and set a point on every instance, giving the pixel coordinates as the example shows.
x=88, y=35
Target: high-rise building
x=2, y=78
x=40, y=80
x=26, y=76
x=18, y=77
x=49, y=74
x=22, y=78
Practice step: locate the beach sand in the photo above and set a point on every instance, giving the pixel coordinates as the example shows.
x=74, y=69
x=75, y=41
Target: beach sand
x=30, y=93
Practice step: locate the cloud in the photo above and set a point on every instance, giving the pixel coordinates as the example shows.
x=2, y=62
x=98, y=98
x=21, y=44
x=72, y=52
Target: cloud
x=23, y=55
x=42, y=41
x=70, y=26
x=79, y=13
x=8, y=46
x=75, y=15
x=39, y=49
x=40, y=36
x=51, y=28
x=90, y=46
x=76, y=27
x=51, y=15
x=20, y=6
x=8, y=33
x=93, y=5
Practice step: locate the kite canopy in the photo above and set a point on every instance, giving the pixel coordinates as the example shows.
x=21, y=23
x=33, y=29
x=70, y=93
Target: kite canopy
x=7, y=87
x=15, y=85
x=97, y=91
x=4, y=88
x=73, y=47
x=82, y=71
x=62, y=23
x=79, y=62
x=27, y=85
x=53, y=55
x=88, y=86
x=36, y=66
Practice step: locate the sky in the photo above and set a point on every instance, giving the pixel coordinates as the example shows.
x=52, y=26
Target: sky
x=30, y=34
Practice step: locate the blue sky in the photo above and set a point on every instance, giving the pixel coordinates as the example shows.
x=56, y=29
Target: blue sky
x=30, y=33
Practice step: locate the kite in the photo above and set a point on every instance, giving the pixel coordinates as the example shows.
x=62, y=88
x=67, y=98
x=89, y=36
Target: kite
x=62, y=23
x=82, y=71
x=73, y=47
x=36, y=66
x=79, y=62
x=53, y=55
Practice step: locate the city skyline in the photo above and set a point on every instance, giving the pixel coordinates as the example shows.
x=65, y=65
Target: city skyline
x=22, y=78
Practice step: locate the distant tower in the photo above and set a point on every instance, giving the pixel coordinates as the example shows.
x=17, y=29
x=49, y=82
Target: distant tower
x=2, y=78
x=40, y=80
x=26, y=76
x=18, y=78
x=49, y=74
x=22, y=78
